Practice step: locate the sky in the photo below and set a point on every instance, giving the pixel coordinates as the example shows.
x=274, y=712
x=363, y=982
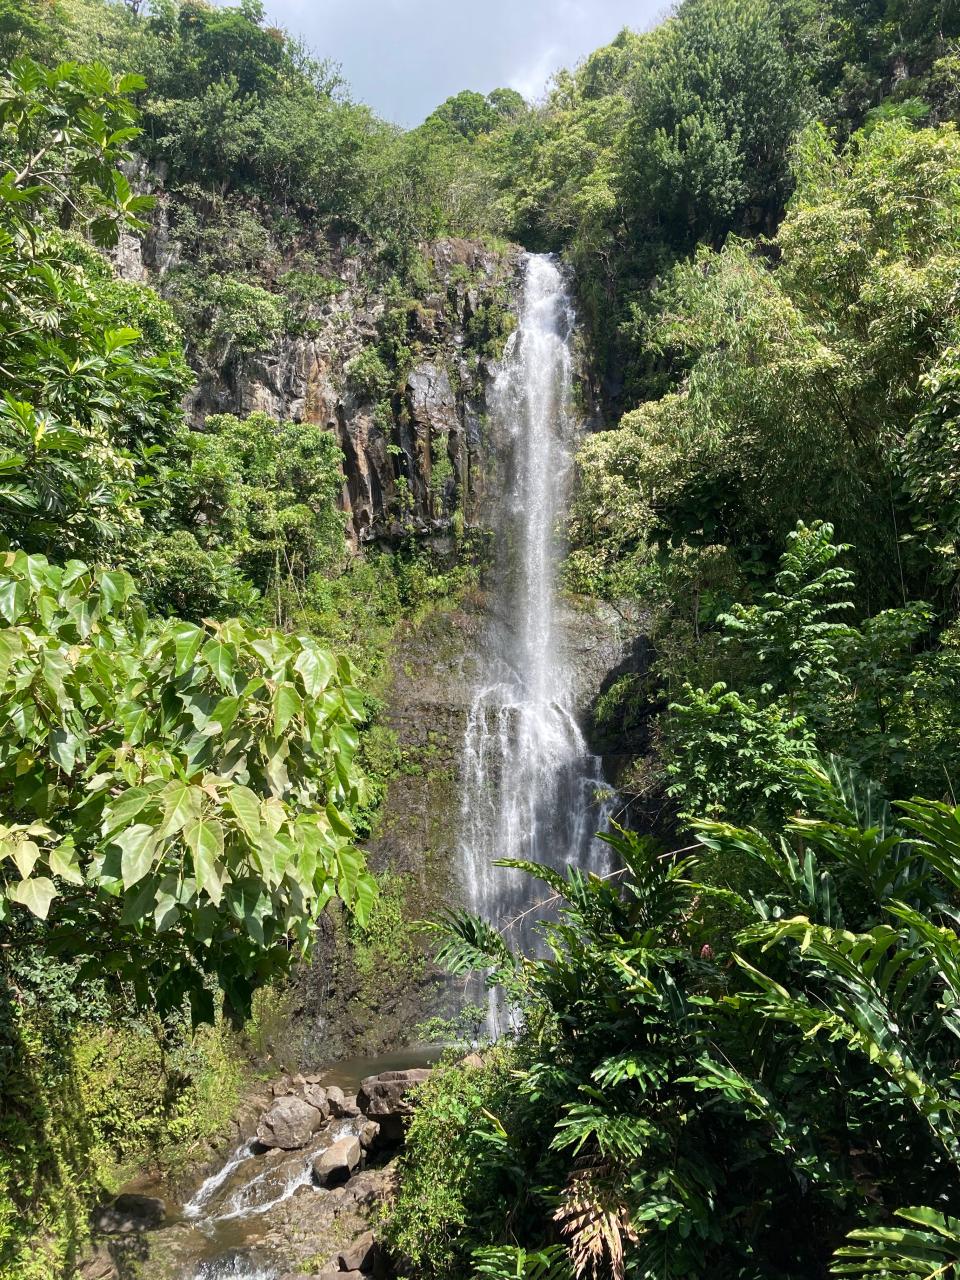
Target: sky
x=404, y=57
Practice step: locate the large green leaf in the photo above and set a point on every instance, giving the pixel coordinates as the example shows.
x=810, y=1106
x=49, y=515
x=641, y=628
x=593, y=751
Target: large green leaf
x=138, y=844
x=287, y=703
x=204, y=839
x=316, y=669
x=36, y=894
x=246, y=807
x=182, y=803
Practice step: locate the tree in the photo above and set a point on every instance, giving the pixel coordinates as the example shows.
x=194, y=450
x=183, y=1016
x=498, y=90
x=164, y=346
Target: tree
x=90, y=368
x=175, y=798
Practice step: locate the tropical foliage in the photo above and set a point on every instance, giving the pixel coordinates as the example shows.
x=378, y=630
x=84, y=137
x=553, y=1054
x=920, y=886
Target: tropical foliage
x=769, y=1059
x=735, y=1060
x=172, y=793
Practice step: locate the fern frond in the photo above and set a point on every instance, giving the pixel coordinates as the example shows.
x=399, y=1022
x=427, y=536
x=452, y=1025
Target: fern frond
x=509, y=1262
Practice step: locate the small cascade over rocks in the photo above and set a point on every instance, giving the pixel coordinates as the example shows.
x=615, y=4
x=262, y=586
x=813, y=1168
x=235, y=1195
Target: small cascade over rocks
x=532, y=789
x=300, y=1187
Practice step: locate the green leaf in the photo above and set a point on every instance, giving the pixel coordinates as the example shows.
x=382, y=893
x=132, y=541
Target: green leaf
x=365, y=895
x=204, y=838
x=286, y=704
x=10, y=647
x=246, y=809
x=64, y=863
x=115, y=339
x=14, y=595
x=137, y=845
x=316, y=668
x=64, y=747
x=339, y=823
x=25, y=855
x=35, y=894
x=182, y=804
x=221, y=658
x=115, y=585
x=187, y=640
x=125, y=808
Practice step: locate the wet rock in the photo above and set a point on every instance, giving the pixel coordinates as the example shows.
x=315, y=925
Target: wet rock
x=384, y=1098
x=359, y=1256
x=334, y=1166
x=306, y=378
x=131, y=1213
x=289, y=1124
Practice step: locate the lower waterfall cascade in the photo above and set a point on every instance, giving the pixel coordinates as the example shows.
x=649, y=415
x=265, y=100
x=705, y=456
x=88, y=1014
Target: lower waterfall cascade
x=532, y=790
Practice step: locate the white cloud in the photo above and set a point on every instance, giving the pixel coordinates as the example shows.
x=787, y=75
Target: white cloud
x=403, y=57
x=532, y=78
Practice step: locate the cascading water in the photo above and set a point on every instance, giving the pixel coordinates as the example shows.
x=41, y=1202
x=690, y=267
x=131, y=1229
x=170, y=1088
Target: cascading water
x=532, y=790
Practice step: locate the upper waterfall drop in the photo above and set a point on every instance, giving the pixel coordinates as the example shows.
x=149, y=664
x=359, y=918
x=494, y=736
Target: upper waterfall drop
x=531, y=786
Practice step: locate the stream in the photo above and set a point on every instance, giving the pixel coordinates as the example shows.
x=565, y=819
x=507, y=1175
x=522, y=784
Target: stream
x=229, y=1226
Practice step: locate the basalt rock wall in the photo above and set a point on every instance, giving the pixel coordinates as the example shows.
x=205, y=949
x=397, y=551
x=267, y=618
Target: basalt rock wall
x=397, y=373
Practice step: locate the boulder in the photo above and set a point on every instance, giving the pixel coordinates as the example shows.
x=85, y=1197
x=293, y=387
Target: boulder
x=368, y=1134
x=384, y=1098
x=334, y=1166
x=131, y=1213
x=335, y=1099
x=359, y=1256
x=289, y=1124
x=316, y=1095
x=98, y=1265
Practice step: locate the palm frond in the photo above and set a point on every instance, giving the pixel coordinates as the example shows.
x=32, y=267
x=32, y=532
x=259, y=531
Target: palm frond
x=468, y=943
x=930, y=1253
x=595, y=1222
x=510, y=1262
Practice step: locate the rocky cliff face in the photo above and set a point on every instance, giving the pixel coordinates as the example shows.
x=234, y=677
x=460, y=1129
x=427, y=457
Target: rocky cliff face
x=399, y=378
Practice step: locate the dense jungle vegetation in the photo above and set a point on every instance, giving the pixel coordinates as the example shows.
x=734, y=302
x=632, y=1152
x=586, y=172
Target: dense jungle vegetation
x=737, y=1059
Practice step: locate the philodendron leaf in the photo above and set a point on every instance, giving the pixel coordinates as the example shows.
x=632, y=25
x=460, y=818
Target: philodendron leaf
x=137, y=846
x=35, y=894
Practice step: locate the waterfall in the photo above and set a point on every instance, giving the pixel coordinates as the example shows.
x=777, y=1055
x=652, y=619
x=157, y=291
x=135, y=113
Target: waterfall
x=531, y=785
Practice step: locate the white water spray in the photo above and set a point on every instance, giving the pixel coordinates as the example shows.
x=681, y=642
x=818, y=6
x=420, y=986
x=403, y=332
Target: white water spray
x=531, y=787
x=198, y=1202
